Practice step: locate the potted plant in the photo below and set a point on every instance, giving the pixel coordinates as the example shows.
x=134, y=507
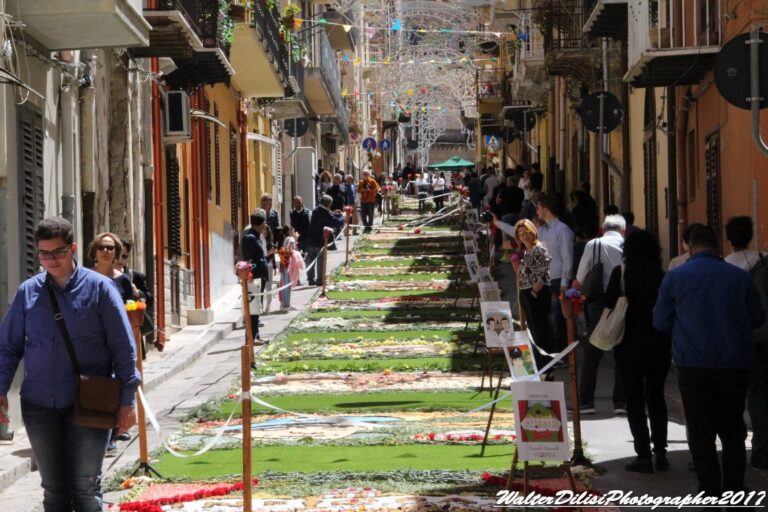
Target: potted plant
x=290, y=12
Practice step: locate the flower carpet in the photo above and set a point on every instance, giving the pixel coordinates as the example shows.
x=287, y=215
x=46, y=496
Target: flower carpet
x=373, y=397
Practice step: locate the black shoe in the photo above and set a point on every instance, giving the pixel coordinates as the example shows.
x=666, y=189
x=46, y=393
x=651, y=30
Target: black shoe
x=310, y=283
x=662, y=463
x=640, y=465
x=261, y=324
x=587, y=409
x=125, y=436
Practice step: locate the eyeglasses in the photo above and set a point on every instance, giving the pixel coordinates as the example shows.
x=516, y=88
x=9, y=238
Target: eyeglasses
x=108, y=248
x=56, y=254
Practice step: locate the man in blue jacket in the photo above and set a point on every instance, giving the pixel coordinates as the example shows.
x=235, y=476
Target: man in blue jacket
x=711, y=307
x=322, y=218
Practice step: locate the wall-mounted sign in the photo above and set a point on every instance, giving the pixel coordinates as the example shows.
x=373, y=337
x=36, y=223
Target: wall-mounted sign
x=369, y=144
x=385, y=145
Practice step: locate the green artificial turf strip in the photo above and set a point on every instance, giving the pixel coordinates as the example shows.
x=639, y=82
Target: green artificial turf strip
x=217, y=463
x=440, y=334
x=393, y=314
x=382, y=294
x=404, y=262
x=369, y=402
x=404, y=251
x=398, y=277
x=456, y=364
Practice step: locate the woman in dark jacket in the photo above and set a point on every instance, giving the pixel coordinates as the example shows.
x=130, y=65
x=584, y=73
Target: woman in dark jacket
x=645, y=354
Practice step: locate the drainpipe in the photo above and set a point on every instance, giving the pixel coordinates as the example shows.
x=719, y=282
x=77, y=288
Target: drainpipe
x=194, y=249
x=681, y=196
x=561, y=140
x=672, y=169
x=157, y=161
x=242, y=119
x=626, y=156
x=69, y=148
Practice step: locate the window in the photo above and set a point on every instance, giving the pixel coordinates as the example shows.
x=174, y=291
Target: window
x=713, y=181
x=233, y=186
x=217, y=156
x=31, y=203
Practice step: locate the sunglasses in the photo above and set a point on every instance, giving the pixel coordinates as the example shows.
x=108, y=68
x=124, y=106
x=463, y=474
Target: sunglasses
x=107, y=248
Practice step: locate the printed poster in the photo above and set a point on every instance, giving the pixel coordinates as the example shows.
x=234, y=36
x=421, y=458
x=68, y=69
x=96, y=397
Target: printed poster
x=473, y=266
x=541, y=421
x=519, y=354
x=489, y=291
x=497, y=323
x=254, y=297
x=472, y=217
x=470, y=246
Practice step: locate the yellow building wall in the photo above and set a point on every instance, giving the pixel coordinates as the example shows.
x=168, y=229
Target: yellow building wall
x=259, y=162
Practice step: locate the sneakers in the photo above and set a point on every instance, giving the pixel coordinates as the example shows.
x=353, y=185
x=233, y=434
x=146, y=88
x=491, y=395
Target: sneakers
x=619, y=410
x=587, y=409
x=640, y=465
x=125, y=436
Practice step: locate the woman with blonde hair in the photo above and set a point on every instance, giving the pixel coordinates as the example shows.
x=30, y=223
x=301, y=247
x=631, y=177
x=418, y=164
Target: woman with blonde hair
x=532, y=268
x=325, y=182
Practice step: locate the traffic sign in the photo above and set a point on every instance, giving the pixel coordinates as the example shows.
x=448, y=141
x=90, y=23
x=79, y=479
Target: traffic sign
x=385, y=145
x=369, y=144
x=590, y=112
x=733, y=71
x=492, y=141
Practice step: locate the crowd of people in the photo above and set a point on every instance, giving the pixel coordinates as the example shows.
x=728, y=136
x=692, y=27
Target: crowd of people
x=704, y=314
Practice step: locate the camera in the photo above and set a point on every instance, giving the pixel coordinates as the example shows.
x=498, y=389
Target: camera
x=486, y=217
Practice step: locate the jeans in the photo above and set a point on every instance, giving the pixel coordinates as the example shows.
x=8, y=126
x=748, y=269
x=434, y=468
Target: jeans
x=713, y=401
x=757, y=405
x=315, y=273
x=557, y=330
x=366, y=210
x=591, y=362
x=285, y=294
x=69, y=458
x=643, y=366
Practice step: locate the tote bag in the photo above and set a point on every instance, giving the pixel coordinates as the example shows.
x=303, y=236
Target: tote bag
x=609, y=331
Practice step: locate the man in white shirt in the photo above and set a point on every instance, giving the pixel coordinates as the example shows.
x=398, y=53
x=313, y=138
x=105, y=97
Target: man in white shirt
x=608, y=250
x=491, y=182
x=557, y=238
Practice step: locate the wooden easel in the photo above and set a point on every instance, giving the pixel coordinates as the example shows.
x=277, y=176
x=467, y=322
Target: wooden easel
x=524, y=326
x=565, y=467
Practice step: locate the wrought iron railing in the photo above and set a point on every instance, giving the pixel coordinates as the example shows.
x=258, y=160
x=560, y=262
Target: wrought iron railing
x=204, y=15
x=561, y=23
x=266, y=21
x=323, y=58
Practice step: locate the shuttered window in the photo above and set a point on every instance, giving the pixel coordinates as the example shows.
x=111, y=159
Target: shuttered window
x=713, y=181
x=278, y=166
x=173, y=202
x=234, y=189
x=32, y=204
x=217, y=156
x=208, y=180
x=650, y=183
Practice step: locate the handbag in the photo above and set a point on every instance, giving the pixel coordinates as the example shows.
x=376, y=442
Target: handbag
x=592, y=287
x=97, y=399
x=609, y=331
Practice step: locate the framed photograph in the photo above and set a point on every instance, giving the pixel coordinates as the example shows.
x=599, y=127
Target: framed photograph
x=473, y=266
x=497, y=319
x=472, y=217
x=470, y=246
x=489, y=291
x=541, y=421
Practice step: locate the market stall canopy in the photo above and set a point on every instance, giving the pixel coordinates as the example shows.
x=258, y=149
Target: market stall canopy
x=454, y=162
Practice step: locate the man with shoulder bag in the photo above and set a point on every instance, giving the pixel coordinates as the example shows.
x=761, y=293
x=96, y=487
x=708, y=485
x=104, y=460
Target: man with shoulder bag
x=70, y=326
x=601, y=256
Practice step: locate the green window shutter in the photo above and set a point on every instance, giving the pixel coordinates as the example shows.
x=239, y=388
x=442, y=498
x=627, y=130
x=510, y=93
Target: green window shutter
x=31, y=201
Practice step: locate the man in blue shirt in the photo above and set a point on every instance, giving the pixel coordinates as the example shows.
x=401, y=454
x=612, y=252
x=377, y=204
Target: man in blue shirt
x=711, y=307
x=322, y=218
x=69, y=456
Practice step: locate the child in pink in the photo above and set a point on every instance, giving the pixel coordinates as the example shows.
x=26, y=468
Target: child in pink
x=291, y=264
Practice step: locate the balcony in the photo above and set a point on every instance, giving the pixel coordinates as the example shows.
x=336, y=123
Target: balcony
x=490, y=85
x=339, y=38
x=568, y=51
x=671, y=42
x=606, y=18
x=74, y=24
x=259, y=56
x=210, y=64
x=322, y=78
x=292, y=104
x=530, y=81
x=173, y=34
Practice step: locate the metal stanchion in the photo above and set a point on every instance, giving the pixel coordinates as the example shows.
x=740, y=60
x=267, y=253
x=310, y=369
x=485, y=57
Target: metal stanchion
x=325, y=258
x=245, y=275
x=136, y=318
x=348, y=211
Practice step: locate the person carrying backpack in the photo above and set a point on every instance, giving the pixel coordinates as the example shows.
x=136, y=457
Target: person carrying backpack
x=739, y=233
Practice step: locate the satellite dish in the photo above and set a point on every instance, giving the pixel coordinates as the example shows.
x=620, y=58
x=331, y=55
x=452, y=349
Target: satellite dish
x=412, y=144
x=403, y=118
x=732, y=71
x=590, y=112
x=296, y=127
x=521, y=119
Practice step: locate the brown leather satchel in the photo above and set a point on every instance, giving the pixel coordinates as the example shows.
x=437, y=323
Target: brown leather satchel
x=97, y=399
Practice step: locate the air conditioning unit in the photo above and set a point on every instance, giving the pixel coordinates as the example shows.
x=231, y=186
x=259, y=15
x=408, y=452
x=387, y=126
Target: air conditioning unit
x=178, y=117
